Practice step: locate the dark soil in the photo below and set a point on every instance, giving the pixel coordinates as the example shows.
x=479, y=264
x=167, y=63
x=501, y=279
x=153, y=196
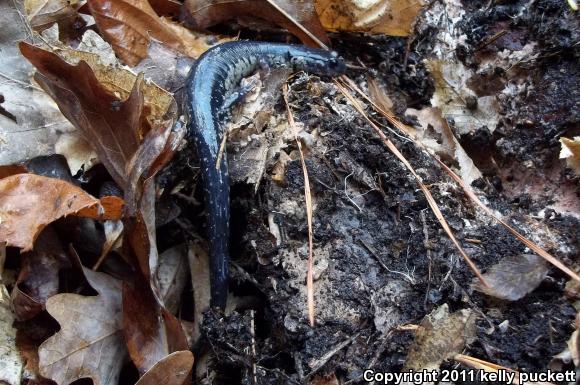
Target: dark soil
x=393, y=223
x=358, y=301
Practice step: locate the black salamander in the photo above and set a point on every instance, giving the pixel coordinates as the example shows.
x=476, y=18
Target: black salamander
x=211, y=80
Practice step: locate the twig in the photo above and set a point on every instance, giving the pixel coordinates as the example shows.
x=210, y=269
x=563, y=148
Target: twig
x=407, y=276
x=253, y=335
x=348, y=196
x=319, y=362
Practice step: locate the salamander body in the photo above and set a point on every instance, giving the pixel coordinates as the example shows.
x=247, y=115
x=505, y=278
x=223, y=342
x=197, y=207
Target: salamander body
x=211, y=79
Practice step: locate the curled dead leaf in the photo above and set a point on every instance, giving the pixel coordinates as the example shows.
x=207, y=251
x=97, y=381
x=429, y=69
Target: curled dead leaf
x=151, y=332
x=43, y=13
x=29, y=202
x=112, y=126
x=571, y=152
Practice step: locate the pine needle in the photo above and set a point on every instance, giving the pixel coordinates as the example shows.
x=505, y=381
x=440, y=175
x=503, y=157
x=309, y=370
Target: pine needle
x=390, y=145
x=297, y=24
x=308, y=200
x=468, y=191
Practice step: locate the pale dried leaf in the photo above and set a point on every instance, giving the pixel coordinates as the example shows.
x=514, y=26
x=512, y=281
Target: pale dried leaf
x=175, y=369
x=436, y=135
x=515, y=276
x=571, y=152
x=42, y=13
x=90, y=341
x=391, y=17
x=78, y=152
x=172, y=275
x=457, y=101
x=11, y=364
x=440, y=336
x=39, y=123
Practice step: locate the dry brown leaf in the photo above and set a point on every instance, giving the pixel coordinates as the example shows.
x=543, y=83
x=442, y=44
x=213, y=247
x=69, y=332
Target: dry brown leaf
x=13, y=169
x=391, y=17
x=129, y=26
x=175, y=369
x=43, y=13
x=29, y=202
x=153, y=154
x=90, y=341
x=38, y=123
x=112, y=126
x=172, y=276
x=115, y=78
x=150, y=331
x=38, y=278
x=515, y=276
x=110, y=208
x=329, y=379
x=440, y=336
x=571, y=152
x=298, y=17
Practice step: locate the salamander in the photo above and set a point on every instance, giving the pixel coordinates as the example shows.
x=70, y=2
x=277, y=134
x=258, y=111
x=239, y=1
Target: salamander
x=211, y=81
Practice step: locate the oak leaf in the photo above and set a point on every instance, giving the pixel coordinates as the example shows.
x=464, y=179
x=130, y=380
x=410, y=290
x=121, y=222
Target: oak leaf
x=31, y=123
x=90, y=341
x=114, y=127
x=29, y=202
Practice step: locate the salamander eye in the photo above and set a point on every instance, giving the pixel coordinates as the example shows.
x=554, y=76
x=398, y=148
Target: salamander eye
x=297, y=62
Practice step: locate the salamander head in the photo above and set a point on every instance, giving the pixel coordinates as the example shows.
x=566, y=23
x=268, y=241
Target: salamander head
x=319, y=62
